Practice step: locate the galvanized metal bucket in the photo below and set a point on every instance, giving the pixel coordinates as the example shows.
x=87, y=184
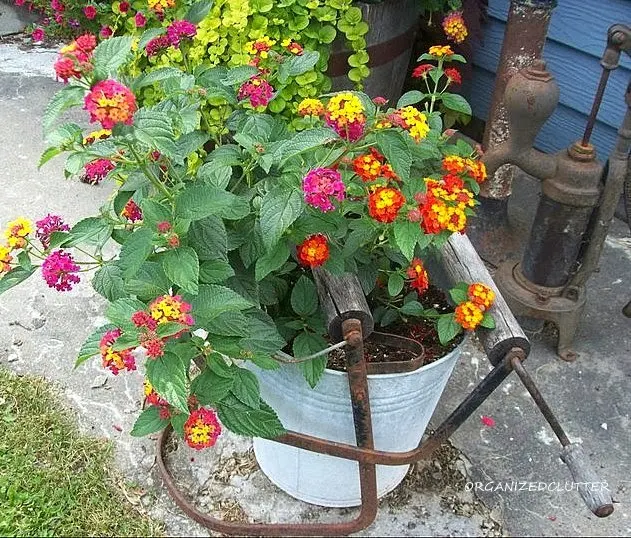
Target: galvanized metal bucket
x=401, y=403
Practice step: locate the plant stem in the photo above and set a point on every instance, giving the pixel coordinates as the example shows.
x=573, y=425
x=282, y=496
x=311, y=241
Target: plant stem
x=155, y=181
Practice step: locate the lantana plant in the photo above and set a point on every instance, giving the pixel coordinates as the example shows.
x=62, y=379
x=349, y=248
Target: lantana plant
x=214, y=269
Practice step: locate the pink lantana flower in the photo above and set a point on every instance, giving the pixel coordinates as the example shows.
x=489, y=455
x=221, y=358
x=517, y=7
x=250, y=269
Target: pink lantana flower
x=60, y=271
x=320, y=185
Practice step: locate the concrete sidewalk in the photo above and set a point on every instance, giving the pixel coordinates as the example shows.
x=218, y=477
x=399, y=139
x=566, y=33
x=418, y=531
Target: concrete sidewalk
x=41, y=331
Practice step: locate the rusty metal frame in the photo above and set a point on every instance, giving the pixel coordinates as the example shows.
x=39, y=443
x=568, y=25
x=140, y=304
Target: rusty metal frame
x=364, y=453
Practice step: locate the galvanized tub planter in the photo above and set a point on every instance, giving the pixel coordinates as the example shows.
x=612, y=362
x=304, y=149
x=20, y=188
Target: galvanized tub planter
x=402, y=404
x=389, y=42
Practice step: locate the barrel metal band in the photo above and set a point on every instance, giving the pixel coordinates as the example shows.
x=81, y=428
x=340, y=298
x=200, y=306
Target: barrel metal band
x=379, y=53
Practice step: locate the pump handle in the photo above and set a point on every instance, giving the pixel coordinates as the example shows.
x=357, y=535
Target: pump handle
x=594, y=491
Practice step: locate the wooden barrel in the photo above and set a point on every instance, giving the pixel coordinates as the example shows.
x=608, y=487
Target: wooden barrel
x=389, y=42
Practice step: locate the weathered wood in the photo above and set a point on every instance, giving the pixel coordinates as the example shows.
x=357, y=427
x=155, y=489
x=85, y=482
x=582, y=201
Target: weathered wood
x=460, y=262
x=341, y=298
x=594, y=491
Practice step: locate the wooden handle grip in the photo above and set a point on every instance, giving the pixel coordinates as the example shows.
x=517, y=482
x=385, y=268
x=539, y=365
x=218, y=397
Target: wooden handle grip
x=593, y=490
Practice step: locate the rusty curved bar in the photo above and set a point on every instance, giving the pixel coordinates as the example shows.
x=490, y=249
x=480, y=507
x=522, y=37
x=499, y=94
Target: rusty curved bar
x=368, y=485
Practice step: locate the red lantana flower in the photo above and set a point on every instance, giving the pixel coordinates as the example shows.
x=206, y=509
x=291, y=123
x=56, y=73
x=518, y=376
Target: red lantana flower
x=453, y=74
x=313, y=251
x=202, y=429
x=420, y=71
x=418, y=274
x=384, y=204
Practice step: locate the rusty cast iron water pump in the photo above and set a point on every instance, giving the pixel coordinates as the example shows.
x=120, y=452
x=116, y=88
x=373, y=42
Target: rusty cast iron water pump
x=577, y=203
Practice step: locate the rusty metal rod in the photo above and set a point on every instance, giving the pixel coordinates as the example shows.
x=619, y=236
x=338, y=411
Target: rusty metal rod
x=539, y=400
x=598, y=98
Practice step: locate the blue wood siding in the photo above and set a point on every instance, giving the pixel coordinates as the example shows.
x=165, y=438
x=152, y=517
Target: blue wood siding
x=576, y=41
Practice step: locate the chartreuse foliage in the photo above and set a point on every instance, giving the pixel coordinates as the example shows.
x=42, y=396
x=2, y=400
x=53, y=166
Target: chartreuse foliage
x=227, y=241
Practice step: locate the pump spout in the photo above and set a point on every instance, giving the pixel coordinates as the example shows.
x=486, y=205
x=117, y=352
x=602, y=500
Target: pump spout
x=530, y=99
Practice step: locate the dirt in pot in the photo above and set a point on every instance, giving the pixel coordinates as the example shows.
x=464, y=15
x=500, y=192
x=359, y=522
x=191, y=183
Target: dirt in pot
x=423, y=331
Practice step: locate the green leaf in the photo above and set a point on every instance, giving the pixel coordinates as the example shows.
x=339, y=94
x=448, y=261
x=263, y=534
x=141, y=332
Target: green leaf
x=219, y=366
x=280, y=207
x=191, y=142
x=198, y=11
x=228, y=324
x=244, y=420
x=395, y=284
x=271, y=261
x=305, y=344
x=297, y=65
x=215, y=174
x=126, y=341
x=304, y=297
x=406, y=236
x=394, y=147
x=246, y=388
x=239, y=75
x=364, y=232
x=228, y=154
x=487, y=321
x=456, y=102
x=48, y=154
x=181, y=266
x=209, y=238
x=304, y=141
x=75, y=163
x=168, y=376
x=327, y=34
x=135, y=251
x=410, y=98
x=213, y=300
x=163, y=73
x=24, y=260
x=148, y=422
x=164, y=330
x=178, y=419
x=264, y=336
x=14, y=277
x=458, y=295
x=412, y=308
x=215, y=271
x=110, y=55
x=120, y=311
x=258, y=127
x=148, y=282
x=67, y=97
x=367, y=275
x=265, y=362
x=447, y=328
x=200, y=201
x=92, y=230
x=65, y=135
x=155, y=129
x=108, y=281
x=154, y=212
x=91, y=346
x=390, y=316
x=211, y=388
